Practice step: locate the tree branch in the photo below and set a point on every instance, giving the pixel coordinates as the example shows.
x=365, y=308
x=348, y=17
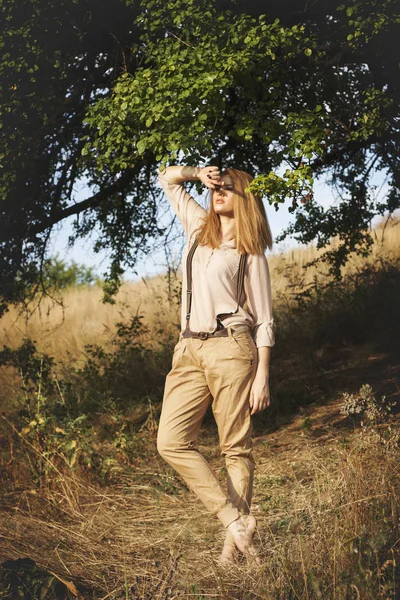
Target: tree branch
x=352, y=147
x=75, y=209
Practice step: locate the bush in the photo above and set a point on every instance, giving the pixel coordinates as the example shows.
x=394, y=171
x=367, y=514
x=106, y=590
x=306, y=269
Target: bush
x=59, y=275
x=362, y=307
x=64, y=420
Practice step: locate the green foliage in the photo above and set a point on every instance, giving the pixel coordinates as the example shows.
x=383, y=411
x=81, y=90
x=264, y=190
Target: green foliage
x=124, y=375
x=295, y=182
x=366, y=19
x=108, y=92
x=170, y=102
x=338, y=313
x=58, y=275
x=58, y=417
x=35, y=370
x=23, y=579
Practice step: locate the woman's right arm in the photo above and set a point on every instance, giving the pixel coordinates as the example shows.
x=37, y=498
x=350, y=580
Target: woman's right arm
x=188, y=211
x=179, y=174
x=210, y=176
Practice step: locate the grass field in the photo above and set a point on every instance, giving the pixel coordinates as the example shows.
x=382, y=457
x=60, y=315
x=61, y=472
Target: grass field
x=86, y=498
x=79, y=318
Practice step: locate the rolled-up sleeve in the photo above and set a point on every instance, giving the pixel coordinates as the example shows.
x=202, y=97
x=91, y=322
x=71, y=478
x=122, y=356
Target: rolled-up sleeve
x=257, y=286
x=189, y=212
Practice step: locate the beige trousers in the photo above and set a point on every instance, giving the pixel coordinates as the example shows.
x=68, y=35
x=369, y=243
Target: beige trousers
x=220, y=370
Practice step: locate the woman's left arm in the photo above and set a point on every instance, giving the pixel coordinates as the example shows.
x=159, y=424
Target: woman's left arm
x=259, y=393
x=259, y=303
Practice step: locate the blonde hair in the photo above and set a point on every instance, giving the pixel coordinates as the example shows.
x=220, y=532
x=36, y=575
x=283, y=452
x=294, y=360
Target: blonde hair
x=252, y=230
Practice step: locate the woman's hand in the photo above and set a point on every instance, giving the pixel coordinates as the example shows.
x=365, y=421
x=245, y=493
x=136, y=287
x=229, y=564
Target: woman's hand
x=210, y=176
x=259, y=394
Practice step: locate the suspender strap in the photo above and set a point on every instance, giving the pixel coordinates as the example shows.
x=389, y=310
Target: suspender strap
x=239, y=286
x=239, y=290
x=240, y=279
x=189, y=281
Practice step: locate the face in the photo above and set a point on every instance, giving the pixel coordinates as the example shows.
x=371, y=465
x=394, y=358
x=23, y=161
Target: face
x=222, y=197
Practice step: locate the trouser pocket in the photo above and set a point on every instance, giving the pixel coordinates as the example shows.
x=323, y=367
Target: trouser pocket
x=244, y=343
x=178, y=352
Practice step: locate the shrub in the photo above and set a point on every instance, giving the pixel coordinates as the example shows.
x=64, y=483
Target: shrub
x=63, y=420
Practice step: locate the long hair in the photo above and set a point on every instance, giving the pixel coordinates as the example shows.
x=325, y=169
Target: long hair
x=252, y=230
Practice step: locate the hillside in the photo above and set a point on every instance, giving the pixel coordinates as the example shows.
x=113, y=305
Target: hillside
x=86, y=497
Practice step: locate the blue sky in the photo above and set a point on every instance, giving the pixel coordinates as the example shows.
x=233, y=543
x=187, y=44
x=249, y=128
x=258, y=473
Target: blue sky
x=155, y=262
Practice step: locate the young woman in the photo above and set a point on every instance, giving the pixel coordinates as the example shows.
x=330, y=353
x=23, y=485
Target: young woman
x=223, y=352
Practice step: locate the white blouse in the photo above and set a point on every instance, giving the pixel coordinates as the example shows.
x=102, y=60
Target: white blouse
x=214, y=277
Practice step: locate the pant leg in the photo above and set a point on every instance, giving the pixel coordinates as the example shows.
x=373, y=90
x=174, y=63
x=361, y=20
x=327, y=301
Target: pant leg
x=230, y=370
x=186, y=398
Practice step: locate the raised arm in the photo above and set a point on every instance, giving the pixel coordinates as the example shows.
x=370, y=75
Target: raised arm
x=189, y=212
x=210, y=176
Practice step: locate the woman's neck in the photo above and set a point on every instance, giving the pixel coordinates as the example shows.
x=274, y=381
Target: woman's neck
x=227, y=230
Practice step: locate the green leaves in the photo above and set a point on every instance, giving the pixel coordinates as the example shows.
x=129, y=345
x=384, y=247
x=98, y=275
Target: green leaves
x=367, y=19
x=120, y=87
x=182, y=91
x=141, y=147
x=296, y=184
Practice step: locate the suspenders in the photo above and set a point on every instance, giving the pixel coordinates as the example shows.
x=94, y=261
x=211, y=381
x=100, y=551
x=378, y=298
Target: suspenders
x=221, y=330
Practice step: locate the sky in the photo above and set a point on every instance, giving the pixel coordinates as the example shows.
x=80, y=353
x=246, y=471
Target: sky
x=155, y=263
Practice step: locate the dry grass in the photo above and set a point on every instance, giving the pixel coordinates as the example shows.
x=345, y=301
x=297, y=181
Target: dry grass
x=63, y=330
x=288, y=274
x=319, y=501
x=326, y=496
x=79, y=318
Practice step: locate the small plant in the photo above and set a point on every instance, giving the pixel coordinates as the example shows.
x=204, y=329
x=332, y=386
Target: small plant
x=23, y=579
x=370, y=412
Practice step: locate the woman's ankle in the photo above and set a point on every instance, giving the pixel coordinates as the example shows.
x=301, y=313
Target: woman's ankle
x=242, y=531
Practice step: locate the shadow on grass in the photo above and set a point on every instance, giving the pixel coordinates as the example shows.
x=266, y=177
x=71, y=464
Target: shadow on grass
x=334, y=338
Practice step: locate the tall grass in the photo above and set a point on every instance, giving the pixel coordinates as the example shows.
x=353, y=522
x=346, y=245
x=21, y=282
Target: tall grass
x=326, y=505
x=64, y=329
x=79, y=318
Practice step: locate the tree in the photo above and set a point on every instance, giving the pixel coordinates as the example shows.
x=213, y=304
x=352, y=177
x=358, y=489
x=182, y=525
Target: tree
x=109, y=91
x=59, y=275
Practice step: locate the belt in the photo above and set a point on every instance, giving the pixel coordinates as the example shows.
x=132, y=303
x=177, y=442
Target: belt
x=204, y=335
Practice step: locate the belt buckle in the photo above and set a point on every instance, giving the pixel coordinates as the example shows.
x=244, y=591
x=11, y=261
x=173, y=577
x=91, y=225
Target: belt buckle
x=203, y=335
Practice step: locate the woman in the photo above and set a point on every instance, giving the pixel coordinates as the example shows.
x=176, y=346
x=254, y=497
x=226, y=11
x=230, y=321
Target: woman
x=224, y=348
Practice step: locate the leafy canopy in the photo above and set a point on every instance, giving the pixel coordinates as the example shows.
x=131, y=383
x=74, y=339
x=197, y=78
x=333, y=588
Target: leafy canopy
x=107, y=92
